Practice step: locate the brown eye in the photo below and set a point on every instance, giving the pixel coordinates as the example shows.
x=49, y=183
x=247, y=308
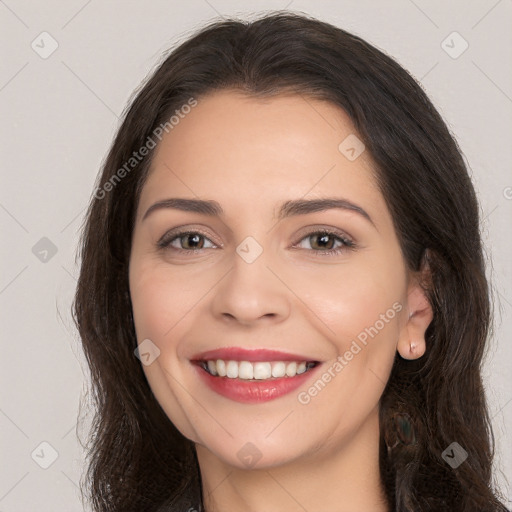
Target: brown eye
x=192, y=241
x=186, y=241
x=323, y=243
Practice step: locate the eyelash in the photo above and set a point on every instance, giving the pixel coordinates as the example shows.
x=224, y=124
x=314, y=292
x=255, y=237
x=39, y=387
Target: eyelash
x=348, y=244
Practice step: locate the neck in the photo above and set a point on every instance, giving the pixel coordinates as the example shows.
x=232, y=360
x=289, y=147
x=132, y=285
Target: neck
x=346, y=479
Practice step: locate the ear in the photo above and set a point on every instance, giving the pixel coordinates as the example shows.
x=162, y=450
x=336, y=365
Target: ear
x=411, y=342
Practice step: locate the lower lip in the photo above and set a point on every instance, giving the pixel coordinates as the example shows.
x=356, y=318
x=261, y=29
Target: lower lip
x=252, y=392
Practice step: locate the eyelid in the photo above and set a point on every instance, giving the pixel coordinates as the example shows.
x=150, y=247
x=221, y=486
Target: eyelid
x=307, y=231
x=181, y=231
x=316, y=228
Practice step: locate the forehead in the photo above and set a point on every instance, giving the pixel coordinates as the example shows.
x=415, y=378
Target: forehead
x=238, y=148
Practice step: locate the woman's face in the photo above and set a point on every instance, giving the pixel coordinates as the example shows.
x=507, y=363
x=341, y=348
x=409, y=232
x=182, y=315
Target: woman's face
x=258, y=289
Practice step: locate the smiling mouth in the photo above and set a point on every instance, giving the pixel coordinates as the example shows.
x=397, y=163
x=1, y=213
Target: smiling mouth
x=255, y=371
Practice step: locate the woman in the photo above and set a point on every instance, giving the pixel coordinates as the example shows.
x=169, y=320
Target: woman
x=237, y=362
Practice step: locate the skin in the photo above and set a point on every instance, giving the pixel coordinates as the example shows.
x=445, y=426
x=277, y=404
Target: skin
x=251, y=155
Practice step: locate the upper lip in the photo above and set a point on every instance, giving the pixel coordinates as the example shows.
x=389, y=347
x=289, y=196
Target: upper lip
x=245, y=354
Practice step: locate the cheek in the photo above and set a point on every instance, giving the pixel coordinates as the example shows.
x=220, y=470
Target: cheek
x=350, y=298
x=160, y=314
x=150, y=303
x=162, y=297
x=362, y=305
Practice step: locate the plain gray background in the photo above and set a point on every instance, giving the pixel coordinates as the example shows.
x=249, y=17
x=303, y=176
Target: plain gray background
x=59, y=113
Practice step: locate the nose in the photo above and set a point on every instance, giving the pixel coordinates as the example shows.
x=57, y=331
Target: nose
x=251, y=293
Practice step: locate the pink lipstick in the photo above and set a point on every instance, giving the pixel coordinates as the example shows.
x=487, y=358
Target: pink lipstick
x=253, y=376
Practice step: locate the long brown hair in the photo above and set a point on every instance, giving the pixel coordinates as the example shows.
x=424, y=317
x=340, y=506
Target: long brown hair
x=137, y=458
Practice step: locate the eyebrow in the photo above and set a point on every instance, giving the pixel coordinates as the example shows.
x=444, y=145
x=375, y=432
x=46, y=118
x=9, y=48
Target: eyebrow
x=287, y=209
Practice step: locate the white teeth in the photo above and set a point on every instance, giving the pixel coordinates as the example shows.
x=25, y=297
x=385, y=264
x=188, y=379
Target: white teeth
x=278, y=369
x=245, y=370
x=291, y=369
x=262, y=371
x=221, y=367
x=256, y=371
x=232, y=369
x=212, y=367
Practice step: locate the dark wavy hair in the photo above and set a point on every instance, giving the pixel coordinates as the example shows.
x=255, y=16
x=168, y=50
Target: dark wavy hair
x=137, y=459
